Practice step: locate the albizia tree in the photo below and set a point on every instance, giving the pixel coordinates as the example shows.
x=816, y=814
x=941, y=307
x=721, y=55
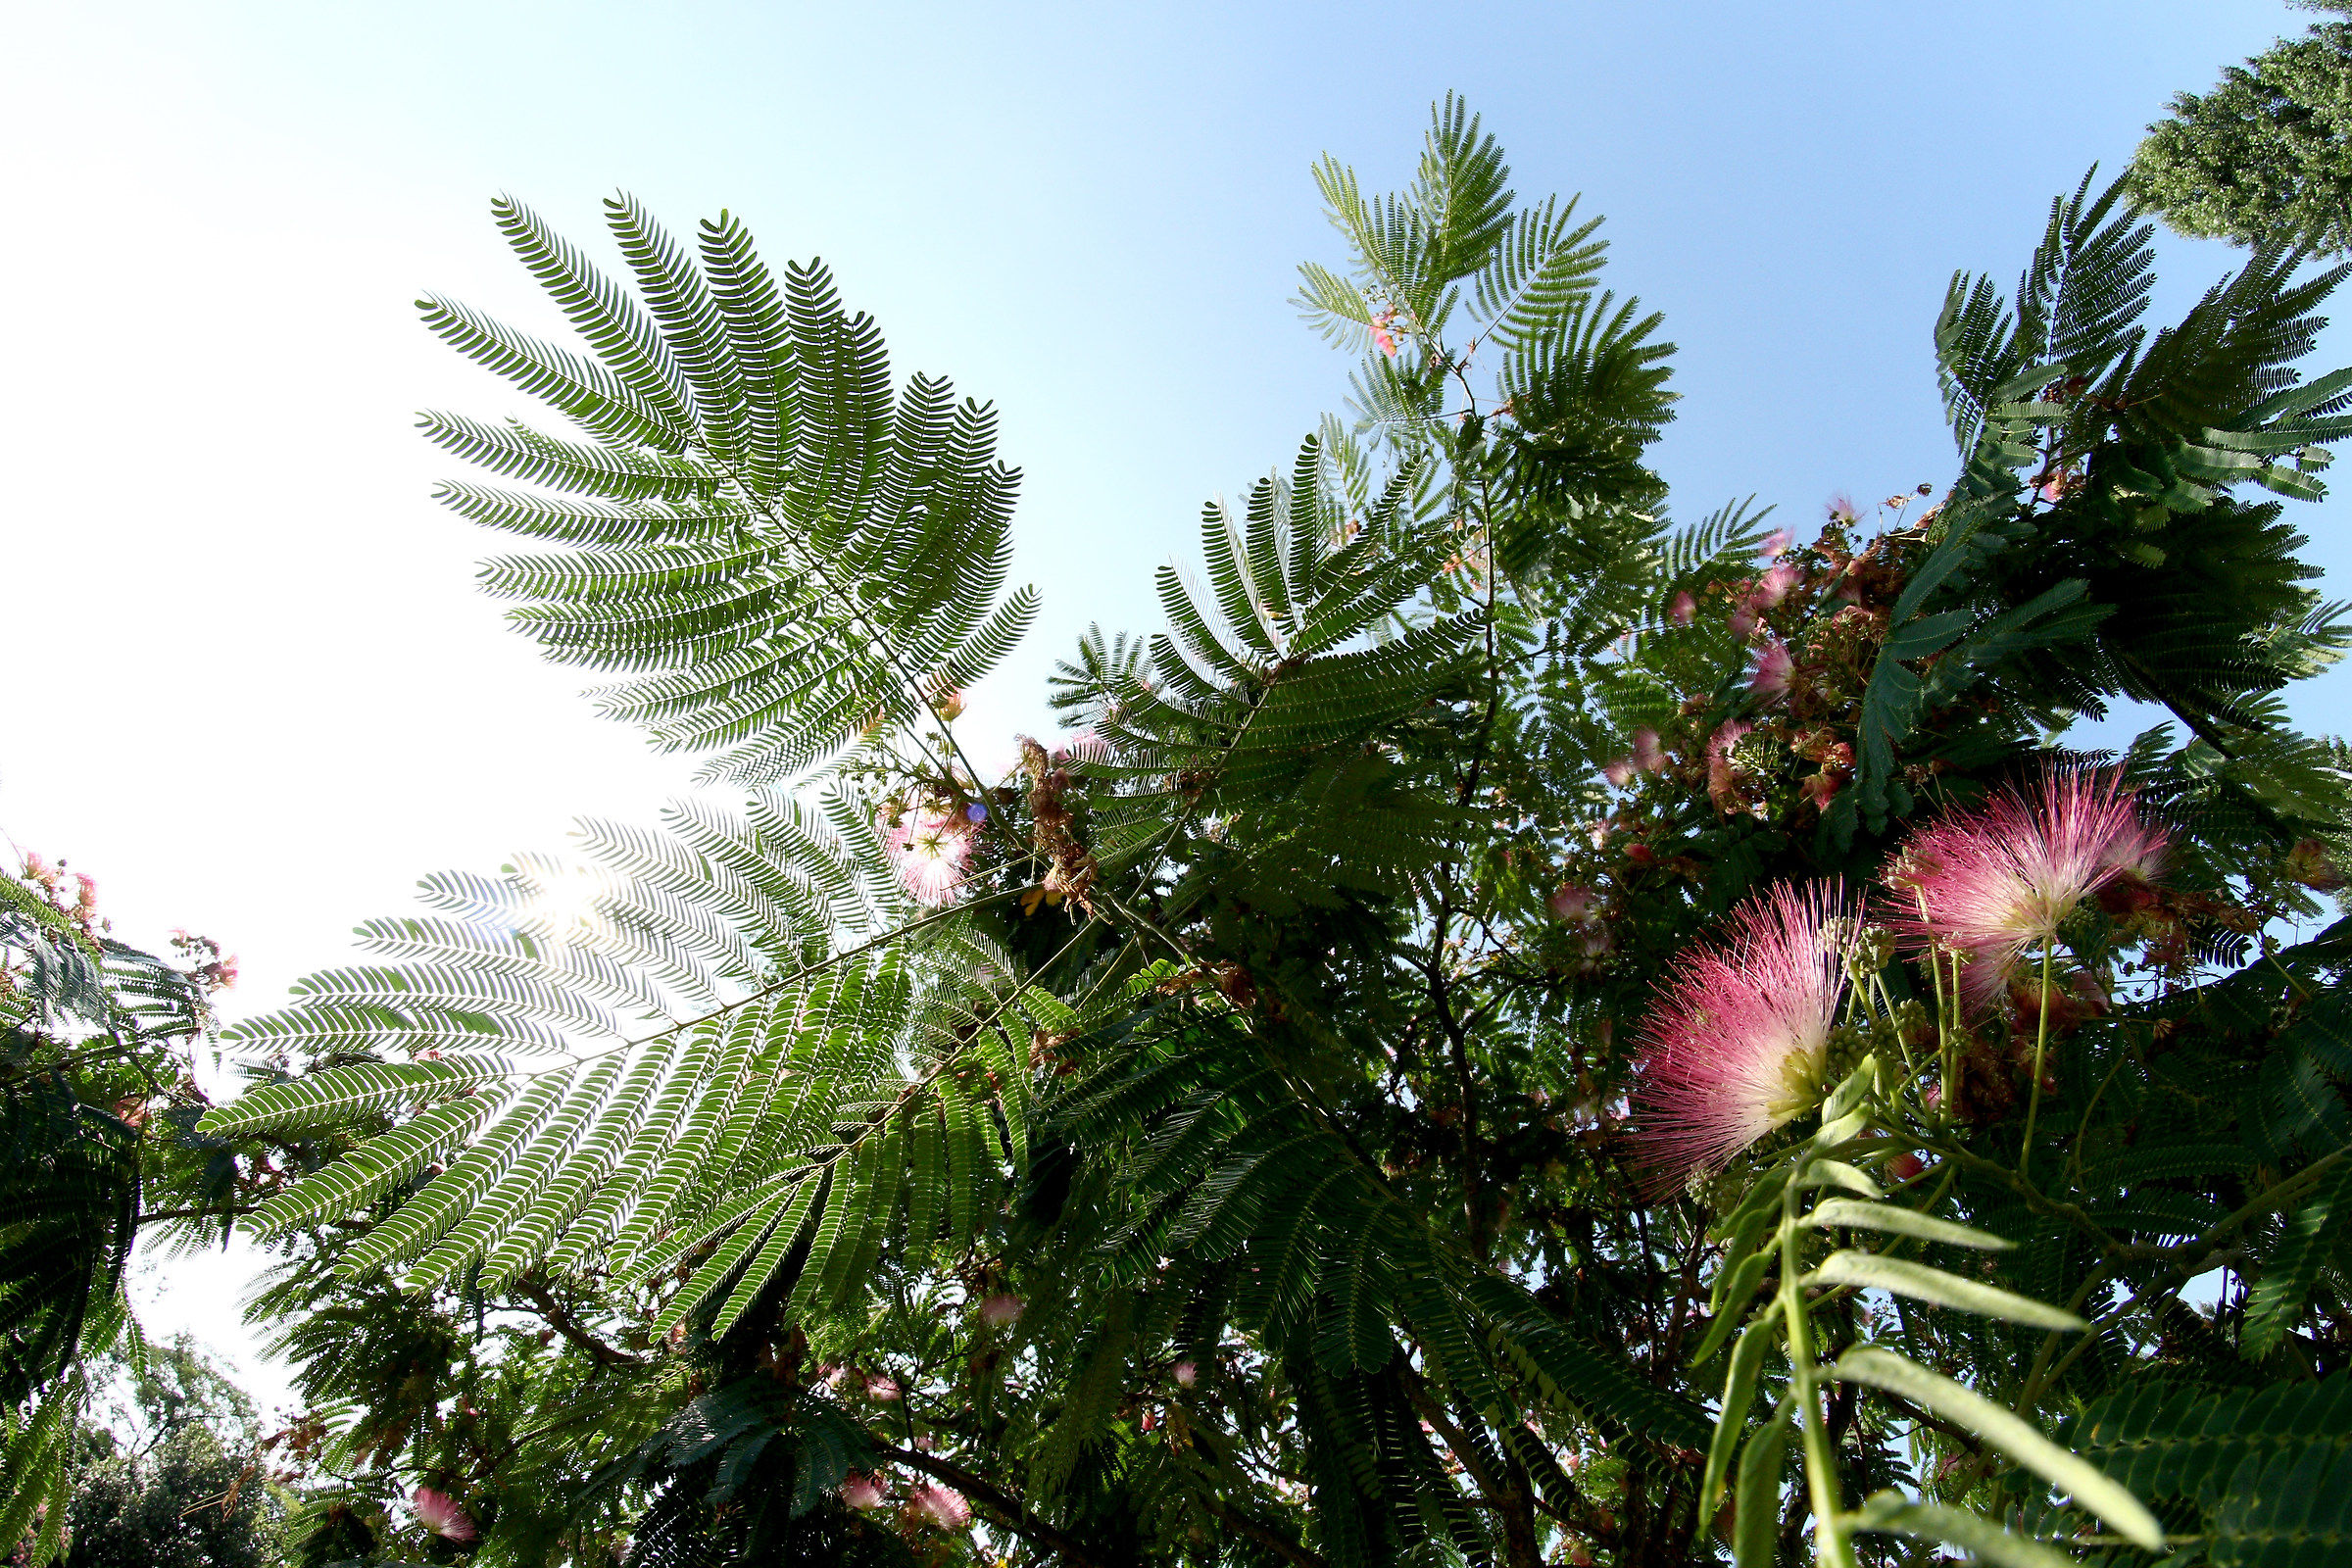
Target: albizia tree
x=1509, y=1031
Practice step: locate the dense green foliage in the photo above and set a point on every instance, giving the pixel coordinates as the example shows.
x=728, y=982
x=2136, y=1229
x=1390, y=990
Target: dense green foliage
x=1221, y=1138
x=179, y=1478
x=98, y=1106
x=2262, y=158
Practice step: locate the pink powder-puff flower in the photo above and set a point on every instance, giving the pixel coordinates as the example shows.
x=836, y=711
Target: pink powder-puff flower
x=1648, y=755
x=1776, y=544
x=439, y=1513
x=930, y=846
x=1770, y=682
x=1187, y=1372
x=881, y=1388
x=1619, y=772
x=863, y=1492
x=1384, y=336
x=942, y=1506
x=1683, y=609
x=1741, y=1035
x=1996, y=882
x=1742, y=618
x=1775, y=586
x=1001, y=1308
x=1573, y=902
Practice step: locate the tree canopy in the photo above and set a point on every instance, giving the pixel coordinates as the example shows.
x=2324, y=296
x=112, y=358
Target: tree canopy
x=1511, y=1029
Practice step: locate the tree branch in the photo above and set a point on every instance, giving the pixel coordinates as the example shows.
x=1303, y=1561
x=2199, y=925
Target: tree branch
x=563, y=1323
x=1010, y=1510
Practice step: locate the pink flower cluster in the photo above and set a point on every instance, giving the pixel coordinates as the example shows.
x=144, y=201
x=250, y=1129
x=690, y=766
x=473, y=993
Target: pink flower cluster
x=1740, y=1039
x=1648, y=755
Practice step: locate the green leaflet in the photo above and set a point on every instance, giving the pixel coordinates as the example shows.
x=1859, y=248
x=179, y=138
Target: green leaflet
x=1892, y=1514
x=1873, y=1271
x=1755, y=1518
x=2018, y=1439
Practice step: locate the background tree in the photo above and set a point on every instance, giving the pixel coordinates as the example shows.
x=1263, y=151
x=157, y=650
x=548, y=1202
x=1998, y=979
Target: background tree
x=2266, y=156
x=176, y=1479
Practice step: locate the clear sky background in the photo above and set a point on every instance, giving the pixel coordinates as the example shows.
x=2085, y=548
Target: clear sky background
x=250, y=686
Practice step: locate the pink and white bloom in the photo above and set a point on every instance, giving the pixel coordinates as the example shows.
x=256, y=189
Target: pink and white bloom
x=1770, y=682
x=1648, y=755
x=881, y=1388
x=1775, y=586
x=439, y=1513
x=1776, y=543
x=1740, y=1037
x=1187, y=1372
x=1001, y=1308
x=1994, y=883
x=1575, y=902
x=1683, y=609
x=863, y=1492
x=944, y=1506
x=930, y=846
x=1619, y=772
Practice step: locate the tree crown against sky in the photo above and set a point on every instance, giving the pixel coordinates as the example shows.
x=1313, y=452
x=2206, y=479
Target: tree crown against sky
x=1321, y=947
x=1212, y=1141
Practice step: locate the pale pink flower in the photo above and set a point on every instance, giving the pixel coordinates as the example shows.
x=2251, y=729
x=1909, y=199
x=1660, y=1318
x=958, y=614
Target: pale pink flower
x=1619, y=772
x=942, y=1506
x=1001, y=1308
x=863, y=1492
x=1775, y=585
x=1648, y=755
x=1776, y=543
x=1741, y=1033
x=1684, y=609
x=930, y=846
x=439, y=1513
x=1570, y=901
x=949, y=703
x=1770, y=682
x=1384, y=336
x=881, y=1388
x=1998, y=881
x=1742, y=618
x=1187, y=1373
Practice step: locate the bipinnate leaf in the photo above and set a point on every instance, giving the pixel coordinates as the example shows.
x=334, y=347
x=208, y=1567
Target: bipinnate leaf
x=2282, y=1288
x=2091, y=1487
x=1873, y=1272
x=346, y=1093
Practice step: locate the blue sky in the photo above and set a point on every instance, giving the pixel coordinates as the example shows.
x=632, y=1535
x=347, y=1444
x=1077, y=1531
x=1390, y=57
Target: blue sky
x=253, y=691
